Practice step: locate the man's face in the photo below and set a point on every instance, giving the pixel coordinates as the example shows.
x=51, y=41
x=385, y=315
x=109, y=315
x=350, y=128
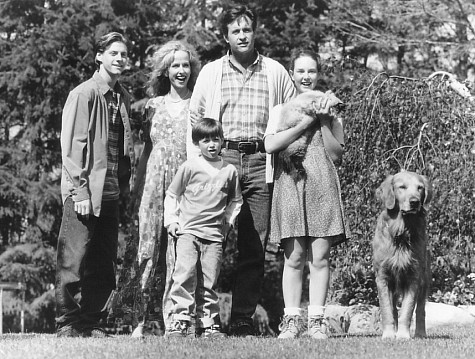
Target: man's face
x=114, y=59
x=241, y=36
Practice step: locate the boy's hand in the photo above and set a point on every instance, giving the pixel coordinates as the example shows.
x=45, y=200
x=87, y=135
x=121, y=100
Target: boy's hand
x=174, y=229
x=83, y=208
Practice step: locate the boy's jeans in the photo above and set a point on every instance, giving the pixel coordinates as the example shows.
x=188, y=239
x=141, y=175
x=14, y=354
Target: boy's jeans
x=253, y=223
x=86, y=264
x=197, y=267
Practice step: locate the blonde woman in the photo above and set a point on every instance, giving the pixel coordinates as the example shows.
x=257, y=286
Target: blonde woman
x=175, y=68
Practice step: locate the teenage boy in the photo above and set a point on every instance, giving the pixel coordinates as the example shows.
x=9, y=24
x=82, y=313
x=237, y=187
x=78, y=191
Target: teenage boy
x=97, y=154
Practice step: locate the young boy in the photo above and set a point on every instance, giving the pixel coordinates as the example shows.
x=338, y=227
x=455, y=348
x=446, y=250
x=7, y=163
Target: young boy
x=97, y=153
x=201, y=205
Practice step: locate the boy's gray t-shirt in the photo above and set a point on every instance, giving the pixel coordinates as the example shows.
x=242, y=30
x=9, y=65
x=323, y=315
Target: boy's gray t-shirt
x=204, y=189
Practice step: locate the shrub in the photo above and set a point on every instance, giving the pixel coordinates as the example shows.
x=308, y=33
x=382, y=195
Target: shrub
x=392, y=124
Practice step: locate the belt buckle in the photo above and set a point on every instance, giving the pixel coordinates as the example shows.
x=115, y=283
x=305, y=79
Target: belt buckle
x=245, y=146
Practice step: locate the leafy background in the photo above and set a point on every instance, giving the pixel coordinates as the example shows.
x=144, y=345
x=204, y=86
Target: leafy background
x=397, y=117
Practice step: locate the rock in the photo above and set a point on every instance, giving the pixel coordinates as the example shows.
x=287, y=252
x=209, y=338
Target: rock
x=439, y=314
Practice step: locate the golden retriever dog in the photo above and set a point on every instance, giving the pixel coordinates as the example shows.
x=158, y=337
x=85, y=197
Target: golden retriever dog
x=294, y=112
x=400, y=256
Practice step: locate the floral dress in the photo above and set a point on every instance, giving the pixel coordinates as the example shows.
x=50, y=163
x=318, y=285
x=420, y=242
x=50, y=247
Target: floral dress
x=312, y=206
x=142, y=282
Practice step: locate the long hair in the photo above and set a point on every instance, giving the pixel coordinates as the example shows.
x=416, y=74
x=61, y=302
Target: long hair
x=159, y=83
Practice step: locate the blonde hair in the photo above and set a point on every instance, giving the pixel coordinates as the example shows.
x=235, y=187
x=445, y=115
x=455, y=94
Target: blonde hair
x=159, y=83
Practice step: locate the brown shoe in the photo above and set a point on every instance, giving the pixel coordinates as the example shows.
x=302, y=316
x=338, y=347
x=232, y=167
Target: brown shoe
x=68, y=331
x=99, y=333
x=242, y=329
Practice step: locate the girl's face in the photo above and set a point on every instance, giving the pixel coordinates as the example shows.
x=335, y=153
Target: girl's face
x=304, y=74
x=180, y=70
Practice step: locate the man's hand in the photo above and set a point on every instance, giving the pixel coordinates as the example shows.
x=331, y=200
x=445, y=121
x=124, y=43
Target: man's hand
x=83, y=208
x=174, y=230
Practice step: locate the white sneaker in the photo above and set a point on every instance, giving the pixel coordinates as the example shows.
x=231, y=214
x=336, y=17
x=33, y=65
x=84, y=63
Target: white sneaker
x=290, y=327
x=178, y=329
x=317, y=327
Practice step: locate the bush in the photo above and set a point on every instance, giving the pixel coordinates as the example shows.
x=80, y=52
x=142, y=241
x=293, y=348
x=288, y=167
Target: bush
x=392, y=124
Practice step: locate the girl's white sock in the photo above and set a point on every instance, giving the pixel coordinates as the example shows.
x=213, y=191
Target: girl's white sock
x=292, y=311
x=316, y=310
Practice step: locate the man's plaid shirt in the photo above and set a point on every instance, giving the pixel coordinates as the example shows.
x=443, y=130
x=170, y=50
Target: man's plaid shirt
x=245, y=101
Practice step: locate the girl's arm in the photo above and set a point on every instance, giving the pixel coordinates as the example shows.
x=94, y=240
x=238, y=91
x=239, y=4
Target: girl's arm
x=330, y=133
x=281, y=140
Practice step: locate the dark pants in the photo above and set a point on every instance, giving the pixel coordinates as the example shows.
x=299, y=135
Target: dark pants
x=253, y=222
x=86, y=265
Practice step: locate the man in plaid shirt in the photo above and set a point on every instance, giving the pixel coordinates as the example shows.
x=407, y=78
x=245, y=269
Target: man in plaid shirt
x=238, y=90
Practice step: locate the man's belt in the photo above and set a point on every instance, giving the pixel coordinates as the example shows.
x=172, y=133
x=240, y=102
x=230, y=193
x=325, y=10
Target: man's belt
x=247, y=147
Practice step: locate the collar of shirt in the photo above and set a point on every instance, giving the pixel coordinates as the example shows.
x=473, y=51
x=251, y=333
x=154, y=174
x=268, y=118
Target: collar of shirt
x=104, y=87
x=233, y=65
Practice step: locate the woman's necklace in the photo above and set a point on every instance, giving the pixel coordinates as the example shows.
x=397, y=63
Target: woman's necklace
x=186, y=97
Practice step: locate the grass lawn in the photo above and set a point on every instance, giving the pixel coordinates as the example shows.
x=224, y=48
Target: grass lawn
x=452, y=342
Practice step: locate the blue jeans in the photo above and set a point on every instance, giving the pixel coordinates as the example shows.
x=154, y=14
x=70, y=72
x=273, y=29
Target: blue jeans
x=197, y=265
x=253, y=224
x=86, y=265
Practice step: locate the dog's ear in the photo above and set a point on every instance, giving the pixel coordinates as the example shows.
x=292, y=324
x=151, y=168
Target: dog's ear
x=385, y=193
x=427, y=190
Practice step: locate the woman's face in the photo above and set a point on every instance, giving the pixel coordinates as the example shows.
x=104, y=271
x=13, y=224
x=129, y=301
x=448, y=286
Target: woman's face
x=180, y=70
x=304, y=74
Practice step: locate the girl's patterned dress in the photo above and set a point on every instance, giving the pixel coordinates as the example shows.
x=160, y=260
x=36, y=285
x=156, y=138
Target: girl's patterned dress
x=142, y=280
x=311, y=206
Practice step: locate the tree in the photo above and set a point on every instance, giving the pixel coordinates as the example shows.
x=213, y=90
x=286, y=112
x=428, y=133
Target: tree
x=419, y=36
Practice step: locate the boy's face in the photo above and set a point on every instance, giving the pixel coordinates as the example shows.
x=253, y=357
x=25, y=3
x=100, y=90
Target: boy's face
x=210, y=147
x=113, y=59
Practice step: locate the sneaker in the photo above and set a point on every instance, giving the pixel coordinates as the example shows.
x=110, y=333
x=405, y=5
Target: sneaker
x=290, y=327
x=98, y=333
x=178, y=329
x=317, y=327
x=241, y=329
x=212, y=332
x=68, y=331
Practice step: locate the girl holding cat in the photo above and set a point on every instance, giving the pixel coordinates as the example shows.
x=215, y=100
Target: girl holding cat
x=307, y=216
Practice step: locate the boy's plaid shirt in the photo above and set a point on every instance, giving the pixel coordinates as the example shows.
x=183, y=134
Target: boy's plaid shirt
x=245, y=101
x=111, y=184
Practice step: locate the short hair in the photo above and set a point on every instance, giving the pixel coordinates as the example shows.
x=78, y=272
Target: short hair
x=298, y=53
x=106, y=40
x=205, y=128
x=235, y=12
x=159, y=83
